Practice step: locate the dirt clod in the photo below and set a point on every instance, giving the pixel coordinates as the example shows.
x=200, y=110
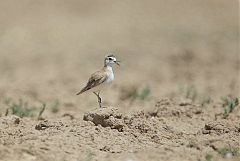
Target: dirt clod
x=41, y=126
x=106, y=117
x=220, y=127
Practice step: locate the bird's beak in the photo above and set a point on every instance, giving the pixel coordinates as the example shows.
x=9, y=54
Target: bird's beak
x=117, y=62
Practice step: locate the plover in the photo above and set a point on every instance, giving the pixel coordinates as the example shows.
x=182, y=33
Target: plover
x=102, y=78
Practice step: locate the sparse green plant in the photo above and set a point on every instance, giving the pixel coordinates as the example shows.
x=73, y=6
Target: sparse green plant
x=41, y=111
x=128, y=93
x=189, y=92
x=229, y=103
x=133, y=94
x=55, y=106
x=208, y=157
x=22, y=109
x=229, y=150
x=205, y=100
x=7, y=100
x=144, y=93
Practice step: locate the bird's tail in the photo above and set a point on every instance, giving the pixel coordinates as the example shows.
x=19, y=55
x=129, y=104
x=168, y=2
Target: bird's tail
x=83, y=90
x=80, y=92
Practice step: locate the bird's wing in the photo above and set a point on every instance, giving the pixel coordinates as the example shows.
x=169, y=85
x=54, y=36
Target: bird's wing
x=96, y=79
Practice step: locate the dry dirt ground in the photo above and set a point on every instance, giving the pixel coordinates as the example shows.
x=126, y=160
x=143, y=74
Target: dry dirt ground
x=171, y=131
x=173, y=97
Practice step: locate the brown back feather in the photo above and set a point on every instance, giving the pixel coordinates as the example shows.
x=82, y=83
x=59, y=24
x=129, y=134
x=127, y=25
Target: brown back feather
x=96, y=79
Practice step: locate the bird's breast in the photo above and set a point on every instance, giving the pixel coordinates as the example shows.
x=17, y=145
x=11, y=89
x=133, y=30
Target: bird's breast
x=110, y=77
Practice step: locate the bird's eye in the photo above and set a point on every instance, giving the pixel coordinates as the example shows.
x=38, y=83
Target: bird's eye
x=110, y=58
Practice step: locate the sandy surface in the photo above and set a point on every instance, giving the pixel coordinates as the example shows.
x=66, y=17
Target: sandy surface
x=179, y=60
x=171, y=131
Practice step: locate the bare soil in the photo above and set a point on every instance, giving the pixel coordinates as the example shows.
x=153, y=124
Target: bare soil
x=169, y=132
x=179, y=62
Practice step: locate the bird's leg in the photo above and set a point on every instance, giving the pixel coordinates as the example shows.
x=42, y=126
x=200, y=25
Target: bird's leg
x=99, y=99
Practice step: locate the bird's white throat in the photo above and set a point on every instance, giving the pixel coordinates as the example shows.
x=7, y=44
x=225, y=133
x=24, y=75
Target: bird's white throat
x=110, y=74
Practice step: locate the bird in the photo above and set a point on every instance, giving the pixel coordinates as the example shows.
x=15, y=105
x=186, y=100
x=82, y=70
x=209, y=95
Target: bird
x=101, y=78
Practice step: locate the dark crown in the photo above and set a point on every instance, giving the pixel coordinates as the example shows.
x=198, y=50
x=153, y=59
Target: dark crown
x=110, y=56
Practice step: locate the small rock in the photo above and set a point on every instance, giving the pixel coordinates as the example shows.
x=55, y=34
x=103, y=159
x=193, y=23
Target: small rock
x=105, y=148
x=41, y=126
x=185, y=102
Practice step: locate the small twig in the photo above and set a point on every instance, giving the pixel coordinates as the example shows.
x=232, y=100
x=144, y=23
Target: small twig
x=67, y=114
x=7, y=110
x=41, y=112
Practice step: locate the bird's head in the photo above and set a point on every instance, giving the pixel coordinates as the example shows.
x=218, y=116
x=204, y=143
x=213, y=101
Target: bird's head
x=110, y=60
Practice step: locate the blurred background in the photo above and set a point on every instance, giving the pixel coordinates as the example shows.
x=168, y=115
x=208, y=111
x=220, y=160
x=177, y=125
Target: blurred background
x=48, y=50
